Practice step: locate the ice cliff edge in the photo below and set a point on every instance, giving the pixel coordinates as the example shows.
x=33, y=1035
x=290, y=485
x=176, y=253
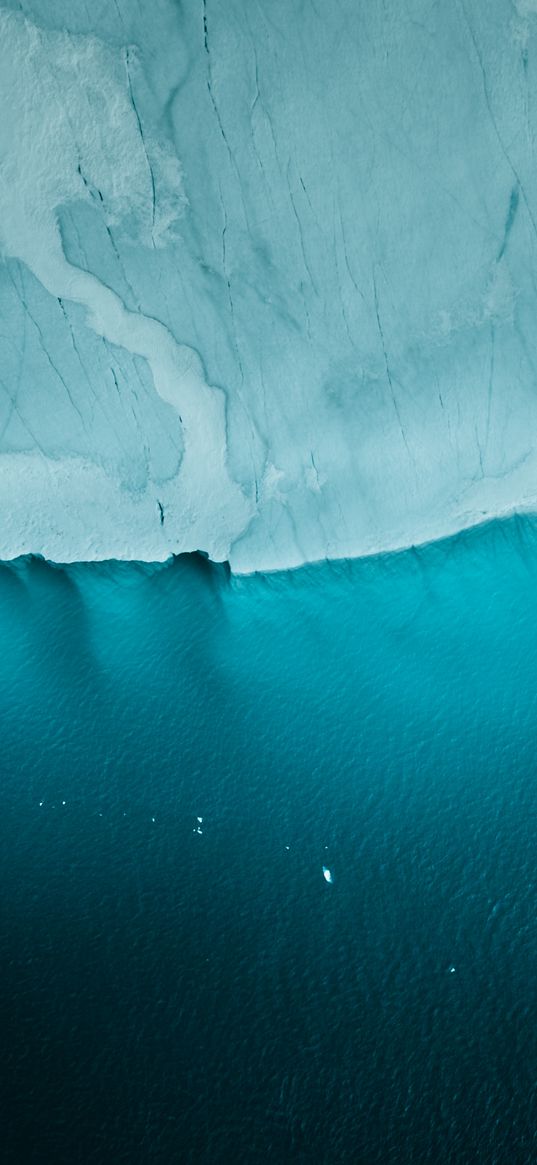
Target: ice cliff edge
x=268, y=275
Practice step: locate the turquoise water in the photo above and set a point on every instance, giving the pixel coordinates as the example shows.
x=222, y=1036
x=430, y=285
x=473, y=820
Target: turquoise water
x=195, y=991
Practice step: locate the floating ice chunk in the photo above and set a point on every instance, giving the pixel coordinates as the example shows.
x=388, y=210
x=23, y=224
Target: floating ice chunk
x=327, y=874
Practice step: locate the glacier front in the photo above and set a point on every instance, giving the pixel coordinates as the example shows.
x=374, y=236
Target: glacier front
x=268, y=275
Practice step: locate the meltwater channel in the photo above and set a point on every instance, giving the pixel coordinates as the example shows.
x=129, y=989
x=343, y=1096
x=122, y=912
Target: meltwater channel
x=182, y=754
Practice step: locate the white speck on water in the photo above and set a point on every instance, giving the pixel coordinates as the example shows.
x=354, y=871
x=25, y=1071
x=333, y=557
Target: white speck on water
x=327, y=874
x=452, y=970
x=199, y=820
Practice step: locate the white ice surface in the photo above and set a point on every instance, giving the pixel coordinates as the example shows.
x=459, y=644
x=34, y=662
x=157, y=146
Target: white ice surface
x=268, y=275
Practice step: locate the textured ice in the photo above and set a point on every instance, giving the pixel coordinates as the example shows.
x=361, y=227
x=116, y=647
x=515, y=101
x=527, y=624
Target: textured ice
x=268, y=278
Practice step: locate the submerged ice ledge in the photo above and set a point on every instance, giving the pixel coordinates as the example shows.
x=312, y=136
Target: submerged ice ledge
x=267, y=285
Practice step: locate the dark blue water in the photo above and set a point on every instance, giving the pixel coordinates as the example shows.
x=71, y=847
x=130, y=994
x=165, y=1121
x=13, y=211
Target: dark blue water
x=172, y=995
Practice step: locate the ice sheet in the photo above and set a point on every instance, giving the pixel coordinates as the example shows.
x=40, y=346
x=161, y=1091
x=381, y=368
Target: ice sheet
x=267, y=285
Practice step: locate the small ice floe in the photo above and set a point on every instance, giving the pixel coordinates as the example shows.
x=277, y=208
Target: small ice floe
x=199, y=820
x=327, y=875
x=452, y=969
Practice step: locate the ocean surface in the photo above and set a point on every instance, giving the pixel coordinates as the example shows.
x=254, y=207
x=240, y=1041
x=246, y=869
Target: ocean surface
x=182, y=754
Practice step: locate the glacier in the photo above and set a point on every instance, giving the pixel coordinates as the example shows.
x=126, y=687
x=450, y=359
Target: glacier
x=268, y=275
